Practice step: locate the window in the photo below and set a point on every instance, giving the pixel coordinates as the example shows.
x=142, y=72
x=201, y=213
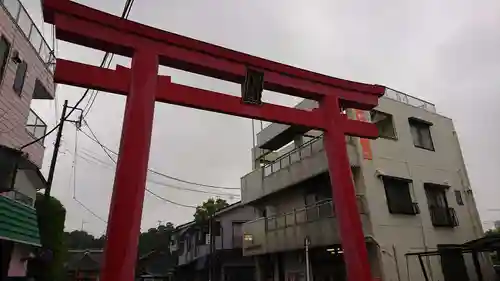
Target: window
x=458, y=197
x=237, y=234
x=421, y=134
x=397, y=192
x=181, y=247
x=384, y=123
x=441, y=214
x=20, y=76
x=4, y=54
x=436, y=195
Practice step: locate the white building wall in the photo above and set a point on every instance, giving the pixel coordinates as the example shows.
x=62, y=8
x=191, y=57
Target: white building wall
x=14, y=108
x=400, y=158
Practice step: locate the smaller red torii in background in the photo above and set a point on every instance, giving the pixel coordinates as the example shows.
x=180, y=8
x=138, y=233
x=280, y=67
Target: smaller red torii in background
x=149, y=47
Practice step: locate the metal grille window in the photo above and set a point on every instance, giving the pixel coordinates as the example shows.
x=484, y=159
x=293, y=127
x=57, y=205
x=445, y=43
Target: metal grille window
x=441, y=214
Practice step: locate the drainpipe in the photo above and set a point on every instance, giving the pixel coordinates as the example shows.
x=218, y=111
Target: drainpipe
x=308, y=269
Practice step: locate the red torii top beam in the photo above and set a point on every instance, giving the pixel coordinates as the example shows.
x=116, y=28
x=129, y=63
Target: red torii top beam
x=149, y=47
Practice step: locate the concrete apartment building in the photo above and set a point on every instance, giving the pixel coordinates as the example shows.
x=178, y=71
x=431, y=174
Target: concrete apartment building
x=413, y=192
x=191, y=244
x=26, y=67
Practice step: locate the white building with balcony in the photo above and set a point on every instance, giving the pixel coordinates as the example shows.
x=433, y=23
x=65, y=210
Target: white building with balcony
x=26, y=68
x=413, y=194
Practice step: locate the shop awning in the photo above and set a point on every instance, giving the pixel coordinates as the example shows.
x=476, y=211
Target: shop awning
x=18, y=222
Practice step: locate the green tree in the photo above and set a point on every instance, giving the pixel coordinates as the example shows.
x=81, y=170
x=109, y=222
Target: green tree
x=208, y=208
x=80, y=239
x=494, y=231
x=155, y=239
x=51, y=216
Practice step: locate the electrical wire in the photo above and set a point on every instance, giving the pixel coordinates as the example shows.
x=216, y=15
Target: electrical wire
x=74, y=182
x=93, y=138
x=147, y=189
x=126, y=11
x=93, y=96
x=92, y=159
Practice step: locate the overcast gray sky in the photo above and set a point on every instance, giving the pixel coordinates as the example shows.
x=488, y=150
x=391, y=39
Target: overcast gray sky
x=446, y=52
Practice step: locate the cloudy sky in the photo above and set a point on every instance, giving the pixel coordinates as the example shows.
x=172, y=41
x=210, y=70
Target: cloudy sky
x=443, y=51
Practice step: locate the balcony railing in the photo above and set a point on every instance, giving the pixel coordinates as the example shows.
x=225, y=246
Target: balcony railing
x=445, y=217
x=320, y=210
x=19, y=197
x=24, y=22
x=305, y=150
x=413, y=101
x=35, y=126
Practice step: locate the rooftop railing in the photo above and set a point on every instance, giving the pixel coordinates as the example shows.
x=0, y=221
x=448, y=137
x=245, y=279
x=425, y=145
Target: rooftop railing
x=20, y=16
x=410, y=100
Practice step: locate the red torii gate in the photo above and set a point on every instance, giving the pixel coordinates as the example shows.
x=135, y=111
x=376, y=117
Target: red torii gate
x=149, y=47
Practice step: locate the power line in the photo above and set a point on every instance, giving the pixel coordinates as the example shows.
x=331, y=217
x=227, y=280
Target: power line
x=153, y=171
x=93, y=97
x=169, y=201
x=95, y=160
x=74, y=182
x=126, y=12
x=147, y=189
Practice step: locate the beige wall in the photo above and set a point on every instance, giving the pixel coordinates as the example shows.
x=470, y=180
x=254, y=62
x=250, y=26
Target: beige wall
x=14, y=108
x=401, y=158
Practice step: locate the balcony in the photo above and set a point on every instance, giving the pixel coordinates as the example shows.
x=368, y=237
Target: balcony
x=35, y=126
x=19, y=197
x=18, y=222
x=291, y=168
x=443, y=217
x=198, y=251
x=287, y=232
x=20, y=16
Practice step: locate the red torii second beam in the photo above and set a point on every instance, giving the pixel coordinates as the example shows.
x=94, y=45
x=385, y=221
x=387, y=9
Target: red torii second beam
x=150, y=47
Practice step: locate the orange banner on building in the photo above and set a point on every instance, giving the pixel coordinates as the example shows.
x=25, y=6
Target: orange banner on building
x=365, y=143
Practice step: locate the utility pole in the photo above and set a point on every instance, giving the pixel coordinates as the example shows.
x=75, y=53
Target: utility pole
x=307, y=242
x=56, y=150
x=57, y=144
x=210, y=258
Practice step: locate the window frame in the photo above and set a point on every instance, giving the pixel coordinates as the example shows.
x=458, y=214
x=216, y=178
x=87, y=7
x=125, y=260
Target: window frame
x=395, y=137
x=443, y=189
x=420, y=124
x=391, y=206
x=458, y=197
x=6, y=56
x=19, y=89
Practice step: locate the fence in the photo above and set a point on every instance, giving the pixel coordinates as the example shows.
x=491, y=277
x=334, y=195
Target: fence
x=35, y=126
x=21, y=17
x=19, y=197
x=320, y=210
x=413, y=101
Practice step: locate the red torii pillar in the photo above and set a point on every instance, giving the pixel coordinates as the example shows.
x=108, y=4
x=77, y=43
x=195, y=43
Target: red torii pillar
x=149, y=47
